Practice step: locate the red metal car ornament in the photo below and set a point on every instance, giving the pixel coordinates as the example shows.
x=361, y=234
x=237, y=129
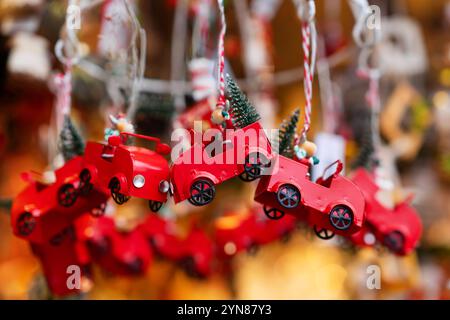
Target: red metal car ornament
x=398, y=228
x=128, y=170
x=42, y=209
x=197, y=171
x=331, y=205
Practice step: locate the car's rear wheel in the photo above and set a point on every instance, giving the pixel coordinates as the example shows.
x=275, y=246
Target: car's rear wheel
x=202, y=192
x=288, y=196
x=118, y=197
x=394, y=241
x=323, y=233
x=341, y=217
x=85, y=186
x=253, y=166
x=273, y=213
x=154, y=205
x=26, y=224
x=67, y=195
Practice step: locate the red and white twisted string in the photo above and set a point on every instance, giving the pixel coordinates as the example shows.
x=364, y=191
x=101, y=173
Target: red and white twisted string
x=307, y=77
x=221, y=58
x=306, y=12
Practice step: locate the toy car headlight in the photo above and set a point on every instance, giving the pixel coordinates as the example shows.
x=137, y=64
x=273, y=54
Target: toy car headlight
x=164, y=186
x=138, y=181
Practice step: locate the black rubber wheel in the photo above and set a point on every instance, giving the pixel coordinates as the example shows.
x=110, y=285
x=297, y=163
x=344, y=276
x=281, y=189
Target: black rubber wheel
x=67, y=195
x=118, y=197
x=202, y=192
x=85, y=186
x=288, y=196
x=154, y=205
x=394, y=241
x=26, y=224
x=341, y=217
x=323, y=234
x=273, y=213
x=253, y=166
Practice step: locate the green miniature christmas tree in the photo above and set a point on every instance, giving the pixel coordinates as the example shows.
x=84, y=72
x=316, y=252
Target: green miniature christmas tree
x=71, y=144
x=287, y=135
x=242, y=112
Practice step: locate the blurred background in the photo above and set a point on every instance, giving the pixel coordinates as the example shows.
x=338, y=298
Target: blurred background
x=263, y=51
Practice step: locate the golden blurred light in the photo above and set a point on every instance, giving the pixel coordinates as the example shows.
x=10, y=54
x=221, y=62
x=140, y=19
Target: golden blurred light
x=230, y=248
x=441, y=99
x=444, y=77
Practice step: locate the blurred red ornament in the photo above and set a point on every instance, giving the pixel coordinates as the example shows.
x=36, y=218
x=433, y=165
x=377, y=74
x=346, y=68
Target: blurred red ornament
x=194, y=252
x=234, y=234
x=399, y=228
x=61, y=263
x=118, y=252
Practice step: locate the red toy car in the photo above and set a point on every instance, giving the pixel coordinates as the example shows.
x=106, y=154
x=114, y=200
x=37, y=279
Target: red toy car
x=196, y=172
x=237, y=233
x=331, y=205
x=128, y=170
x=121, y=253
x=42, y=210
x=399, y=228
x=194, y=252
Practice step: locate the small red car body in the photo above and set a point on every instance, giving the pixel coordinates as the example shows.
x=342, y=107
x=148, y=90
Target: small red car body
x=237, y=233
x=398, y=228
x=128, y=170
x=193, y=252
x=198, y=170
x=121, y=253
x=334, y=203
x=42, y=210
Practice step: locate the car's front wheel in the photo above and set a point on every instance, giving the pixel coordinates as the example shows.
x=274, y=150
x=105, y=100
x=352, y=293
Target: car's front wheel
x=202, y=192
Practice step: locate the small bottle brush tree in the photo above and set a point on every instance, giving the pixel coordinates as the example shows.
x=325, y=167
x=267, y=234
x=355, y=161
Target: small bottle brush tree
x=287, y=135
x=71, y=144
x=242, y=112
